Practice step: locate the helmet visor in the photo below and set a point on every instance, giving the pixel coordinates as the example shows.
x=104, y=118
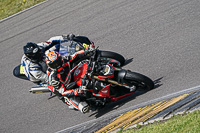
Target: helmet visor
x=31, y=56
x=38, y=55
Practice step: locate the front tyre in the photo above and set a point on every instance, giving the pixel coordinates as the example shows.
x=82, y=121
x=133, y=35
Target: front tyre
x=141, y=82
x=114, y=56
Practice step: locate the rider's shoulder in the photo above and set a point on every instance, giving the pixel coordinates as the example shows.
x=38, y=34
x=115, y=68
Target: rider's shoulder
x=25, y=58
x=27, y=61
x=42, y=44
x=55, y=38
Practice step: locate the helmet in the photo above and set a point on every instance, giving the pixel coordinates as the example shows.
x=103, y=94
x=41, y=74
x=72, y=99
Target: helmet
x=54, y=60
x=32, y=51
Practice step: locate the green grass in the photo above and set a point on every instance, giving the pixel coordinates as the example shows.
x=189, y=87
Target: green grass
x=10, y=7
x=189, y=123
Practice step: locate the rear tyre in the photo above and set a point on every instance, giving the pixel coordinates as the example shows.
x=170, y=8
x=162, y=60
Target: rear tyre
x=141, y=82
x=112, y=55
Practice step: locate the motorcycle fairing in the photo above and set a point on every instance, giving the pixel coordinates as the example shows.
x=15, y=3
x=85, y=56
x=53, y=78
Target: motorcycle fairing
x=120, y=97
x=105, y=92
x=105, y=77
x=19, y=72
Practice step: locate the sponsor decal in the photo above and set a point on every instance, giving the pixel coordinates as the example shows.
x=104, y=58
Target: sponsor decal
x=85, y=45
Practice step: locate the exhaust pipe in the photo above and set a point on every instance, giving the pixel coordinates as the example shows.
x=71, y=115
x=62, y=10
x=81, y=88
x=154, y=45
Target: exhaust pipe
x=39, y=89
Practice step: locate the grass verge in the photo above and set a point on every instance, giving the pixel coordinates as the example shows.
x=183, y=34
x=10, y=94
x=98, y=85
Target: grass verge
x=10, y=7
x=187, y=123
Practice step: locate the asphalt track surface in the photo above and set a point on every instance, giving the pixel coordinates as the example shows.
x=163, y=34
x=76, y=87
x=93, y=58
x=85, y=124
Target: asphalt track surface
x=159, y=38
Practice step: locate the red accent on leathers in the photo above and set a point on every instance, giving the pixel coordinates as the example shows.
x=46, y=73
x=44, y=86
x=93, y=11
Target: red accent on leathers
x=63, y=75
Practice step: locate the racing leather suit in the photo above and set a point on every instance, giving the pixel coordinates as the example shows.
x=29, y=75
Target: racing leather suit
x=57, y=82
x=36, y=71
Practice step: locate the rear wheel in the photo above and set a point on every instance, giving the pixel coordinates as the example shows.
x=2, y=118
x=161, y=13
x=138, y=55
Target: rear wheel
x=107, y=55
x=141, y=82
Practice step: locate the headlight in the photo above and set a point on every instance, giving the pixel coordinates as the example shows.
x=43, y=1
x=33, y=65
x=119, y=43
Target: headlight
x=108, y=70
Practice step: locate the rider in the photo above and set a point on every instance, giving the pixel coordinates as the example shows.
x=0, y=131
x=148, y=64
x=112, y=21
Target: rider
x=59, y=76
x=33, y=60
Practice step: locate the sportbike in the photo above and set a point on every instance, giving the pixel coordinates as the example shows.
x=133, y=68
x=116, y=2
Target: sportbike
x=103, y=81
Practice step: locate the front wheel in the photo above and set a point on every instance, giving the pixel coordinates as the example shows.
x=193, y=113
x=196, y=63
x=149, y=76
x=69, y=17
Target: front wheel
x=141, y=82
x=107, y=55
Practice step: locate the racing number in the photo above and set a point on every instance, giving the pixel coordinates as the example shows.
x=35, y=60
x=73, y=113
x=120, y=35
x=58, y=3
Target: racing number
x=52, y=56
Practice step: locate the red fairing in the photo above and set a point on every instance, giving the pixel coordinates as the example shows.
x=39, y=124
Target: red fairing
x=80, y=73
x=120, y=97
x=105, y=77
x=105, y=92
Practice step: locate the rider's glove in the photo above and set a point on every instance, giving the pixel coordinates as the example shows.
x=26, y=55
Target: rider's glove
x=68, y=37
x=55, y=84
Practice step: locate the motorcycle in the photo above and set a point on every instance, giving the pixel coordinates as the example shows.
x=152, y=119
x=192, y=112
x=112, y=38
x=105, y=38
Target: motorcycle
x=103, y=82
x=77, y=43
